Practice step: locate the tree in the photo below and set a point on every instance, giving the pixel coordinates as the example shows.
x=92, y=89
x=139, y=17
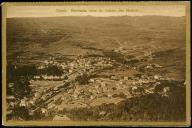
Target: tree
x=21, y=88
x=82, y=79
x=21, y=112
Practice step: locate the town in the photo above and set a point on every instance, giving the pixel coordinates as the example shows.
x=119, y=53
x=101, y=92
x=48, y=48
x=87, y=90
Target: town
x=78, y=84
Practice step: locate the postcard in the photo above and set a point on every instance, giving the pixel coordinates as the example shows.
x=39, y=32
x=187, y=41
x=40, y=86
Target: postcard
x=96, y=64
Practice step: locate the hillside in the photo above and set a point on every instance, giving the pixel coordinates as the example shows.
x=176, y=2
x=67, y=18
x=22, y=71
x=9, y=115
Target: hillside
x=67, y=35
x=106, y=68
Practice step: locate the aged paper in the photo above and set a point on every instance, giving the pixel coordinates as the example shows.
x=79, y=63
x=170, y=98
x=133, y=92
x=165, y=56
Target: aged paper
x=96, y=64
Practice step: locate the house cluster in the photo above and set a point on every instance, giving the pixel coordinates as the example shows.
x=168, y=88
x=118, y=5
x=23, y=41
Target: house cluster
x=50, y=77
x=89, y=63
x=103, y=85
x=79, y=65
x=11, y=102
x=152, y=66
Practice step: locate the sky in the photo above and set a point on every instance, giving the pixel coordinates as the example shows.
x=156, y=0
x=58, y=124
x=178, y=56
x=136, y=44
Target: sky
x=133, y=10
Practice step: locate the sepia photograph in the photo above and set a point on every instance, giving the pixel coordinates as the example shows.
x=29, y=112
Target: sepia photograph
x=96, y=64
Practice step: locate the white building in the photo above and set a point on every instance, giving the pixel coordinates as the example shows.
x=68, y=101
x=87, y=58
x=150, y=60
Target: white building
x=37, y=77
x=92, y=80
x=23, y=103
x=43, y=110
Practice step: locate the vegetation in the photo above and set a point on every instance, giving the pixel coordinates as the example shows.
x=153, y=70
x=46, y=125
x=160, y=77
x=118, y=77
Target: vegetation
x=59, y=36
x=20, y=78
x=152, y=107
x=82, y=79
x=51, y=70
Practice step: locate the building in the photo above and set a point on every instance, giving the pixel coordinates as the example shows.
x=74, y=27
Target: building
x=61, y=117
x=125, y=78
x=92, y=80
x=157, y=77
x=10, y=85
x=37, y=77
x=43, y=110
x=166, y=91
x=23, y=103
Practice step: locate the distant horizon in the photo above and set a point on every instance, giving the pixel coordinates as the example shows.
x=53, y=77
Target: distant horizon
x=99, y=16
